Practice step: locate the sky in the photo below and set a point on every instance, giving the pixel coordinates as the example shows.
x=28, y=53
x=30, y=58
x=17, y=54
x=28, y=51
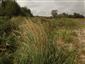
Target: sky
x=44, y=7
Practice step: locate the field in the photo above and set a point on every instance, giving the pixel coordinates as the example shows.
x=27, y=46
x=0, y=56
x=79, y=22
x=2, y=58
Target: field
x=42, y=40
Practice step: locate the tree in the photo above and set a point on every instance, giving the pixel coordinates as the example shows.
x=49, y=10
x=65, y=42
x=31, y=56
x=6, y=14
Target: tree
x=9, y=8
x=65, y=15
x=54, y=13
x=26, y=12
x=77, y=15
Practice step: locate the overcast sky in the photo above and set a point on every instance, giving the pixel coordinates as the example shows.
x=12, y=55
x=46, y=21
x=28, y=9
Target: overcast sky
x=44, y=7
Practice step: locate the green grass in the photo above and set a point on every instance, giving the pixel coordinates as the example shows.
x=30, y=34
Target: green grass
x=40, y=40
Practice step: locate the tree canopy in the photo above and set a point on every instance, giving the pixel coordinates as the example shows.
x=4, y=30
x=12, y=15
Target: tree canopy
x=74, y=15
x=11, y=8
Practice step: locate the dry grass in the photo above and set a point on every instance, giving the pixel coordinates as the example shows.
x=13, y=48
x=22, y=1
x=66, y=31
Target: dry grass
x=37, y=45
x=32, y=41
x=45, y=41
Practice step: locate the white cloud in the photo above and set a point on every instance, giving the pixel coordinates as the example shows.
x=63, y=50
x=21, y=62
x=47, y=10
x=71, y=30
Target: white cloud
x=44, y=7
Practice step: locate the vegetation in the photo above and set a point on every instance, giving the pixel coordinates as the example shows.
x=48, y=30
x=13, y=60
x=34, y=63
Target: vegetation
x=66, y=15
x=37, y=40
x=11, y=8
x=54, y=13
x=27, y=42
x=26, y=12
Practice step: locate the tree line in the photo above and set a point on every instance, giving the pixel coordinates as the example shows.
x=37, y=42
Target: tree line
x=11, y=8
x=74, y=15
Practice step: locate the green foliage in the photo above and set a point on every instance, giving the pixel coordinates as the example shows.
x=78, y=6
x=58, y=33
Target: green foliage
x=77, y=15
x=11, y=8
x=8, y=44
x=67, y=36
x=26, y=12
x=66, y=15
x=66, y=23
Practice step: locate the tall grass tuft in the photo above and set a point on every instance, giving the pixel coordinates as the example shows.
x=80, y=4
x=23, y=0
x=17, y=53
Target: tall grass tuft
x=38, y=47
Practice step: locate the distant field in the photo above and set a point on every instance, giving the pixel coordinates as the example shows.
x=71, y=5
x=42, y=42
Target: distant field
x=41, y=40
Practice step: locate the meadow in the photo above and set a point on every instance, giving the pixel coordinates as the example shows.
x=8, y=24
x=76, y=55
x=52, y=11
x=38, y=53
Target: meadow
x=41, y=40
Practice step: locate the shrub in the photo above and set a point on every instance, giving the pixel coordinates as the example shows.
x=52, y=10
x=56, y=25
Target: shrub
x=26, y=12
x=10, y=8
x=8, y=41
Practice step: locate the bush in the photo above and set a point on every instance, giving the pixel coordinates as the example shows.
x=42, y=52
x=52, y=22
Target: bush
x=11, y=8
x=77, y=15
x=26, y=12
x=8, y=38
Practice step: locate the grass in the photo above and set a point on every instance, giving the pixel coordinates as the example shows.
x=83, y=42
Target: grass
x=40, y=40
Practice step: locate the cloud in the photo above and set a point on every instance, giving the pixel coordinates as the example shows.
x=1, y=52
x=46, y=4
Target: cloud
x=44, y=7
